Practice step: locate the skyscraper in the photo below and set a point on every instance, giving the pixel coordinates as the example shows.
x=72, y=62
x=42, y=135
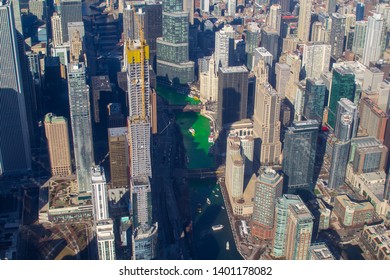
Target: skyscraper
x=343, y=86
x=172, y=47
x=232, y=94
x=359, y=37
x=373, y=40
x=359, y=11
x=153, y=28
x=57, y=137
x=105, y=239
x=15, y=153
x=117, y=144
x=80, y=116
x=315, y=59
x=268, y=188
x=337, y=34
x=275, y=17
x=282, y=72
x=304, y=20
x=56, y=29
x=99, y=193
x=270, y=41
x=331, y=6
x=299, y=232
x=346, y=127
x=266, y=124
x=231, y=7
x=314, y=99
x=300, y=142
x=280, y=225
x=70, y=12
x=130, y=24
x=224, y=47
x=252, y=40
x=209, y=82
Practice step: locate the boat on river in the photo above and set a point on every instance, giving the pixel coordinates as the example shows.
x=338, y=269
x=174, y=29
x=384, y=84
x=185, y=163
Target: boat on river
x=208, y=201
x=217, y=227
x=227, y=245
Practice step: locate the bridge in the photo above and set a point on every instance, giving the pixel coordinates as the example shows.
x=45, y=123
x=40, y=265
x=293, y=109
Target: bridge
x=200, y=173
x=186, y=108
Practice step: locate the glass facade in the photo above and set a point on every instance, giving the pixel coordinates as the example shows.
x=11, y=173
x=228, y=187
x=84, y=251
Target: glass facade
x=343, y=86
x=172, y=48
x=299, y=153
x=314, y=99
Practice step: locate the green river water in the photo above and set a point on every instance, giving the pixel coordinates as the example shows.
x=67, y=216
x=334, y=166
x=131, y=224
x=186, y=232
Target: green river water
x=208, y=244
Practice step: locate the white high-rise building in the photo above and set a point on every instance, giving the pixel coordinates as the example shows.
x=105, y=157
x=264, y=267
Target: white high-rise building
x=105, y=239
x=315, y=59
x=373, y=39
x=232, y=4
x=359, y=37
x=209, y=82
x=224, y=47
x=304, y=20
x=99, y=193
x=274, y=18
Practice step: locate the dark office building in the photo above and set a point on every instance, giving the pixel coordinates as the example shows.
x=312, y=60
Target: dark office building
x=270, y=41
x=359, y=11
x=300, y=142
x=153, y=28
x=337, y=35
x=232, y=94
x=71, y=11
x=314, y=99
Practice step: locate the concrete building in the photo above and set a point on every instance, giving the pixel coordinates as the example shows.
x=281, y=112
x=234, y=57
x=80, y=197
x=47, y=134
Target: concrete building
x=80, y=116
x=377, y=239
x=373, y=120
x=99, y=193
x=57, y=137
x=274, y=18
x=130, y=24
x=119, y=159
x=280, y=224
x=298, y=232
x=282, y=71
x=105, y=239
x=320, y=252
x=56, y=29
x=224, y=47
x=266, y=122
x=145, y=243
x=304, y=20
x=372, y=78
x=268, y=188
x=141, y=201
x=263, y=54
x=300, y=142
x=38, y=8
x=76, y=35
x=351, y=213
x=270, y=41
x=15, y=153
x=209, y=82
x=232, y=94
x=373, y=40
x=315, y=59
x=71, y=11
x=367, y=155
x=359, y=37
x=337, y=35
x=231, y=7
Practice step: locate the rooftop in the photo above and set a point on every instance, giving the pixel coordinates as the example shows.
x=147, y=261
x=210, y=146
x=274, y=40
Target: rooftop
x=348, y=203
x=117, y=131
x=320, y=252
x=234, y=69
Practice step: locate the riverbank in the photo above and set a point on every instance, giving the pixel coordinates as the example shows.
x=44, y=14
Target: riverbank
x=206, y=243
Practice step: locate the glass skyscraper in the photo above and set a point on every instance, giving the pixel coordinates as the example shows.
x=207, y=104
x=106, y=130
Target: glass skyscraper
x=172, y=48
x=15, y=153
x=346, y=127
x=343, y=86
x=299, y=154
x=80, y=115
x=314, y=99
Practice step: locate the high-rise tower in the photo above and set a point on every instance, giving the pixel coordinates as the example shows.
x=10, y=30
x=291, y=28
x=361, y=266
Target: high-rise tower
x=172, y=48
x=15, y=153
x=71, y=11
x=57, y=136
x=300, y=142
x=80, y=116
x=337, y=34
x=304, y=20
x=373, y=40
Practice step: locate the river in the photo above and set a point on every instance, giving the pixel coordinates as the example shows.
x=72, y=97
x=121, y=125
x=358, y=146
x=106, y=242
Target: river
x=208, y=244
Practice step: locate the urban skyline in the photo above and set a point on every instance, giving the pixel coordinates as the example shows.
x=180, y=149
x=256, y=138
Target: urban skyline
x=204, y=130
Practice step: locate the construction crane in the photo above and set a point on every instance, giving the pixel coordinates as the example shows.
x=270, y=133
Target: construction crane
x=143, y=45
